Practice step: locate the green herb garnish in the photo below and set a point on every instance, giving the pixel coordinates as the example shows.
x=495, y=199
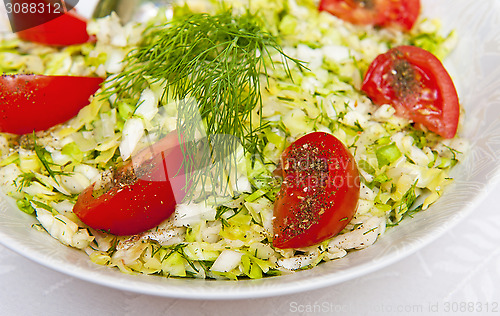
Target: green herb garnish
x=217, y=62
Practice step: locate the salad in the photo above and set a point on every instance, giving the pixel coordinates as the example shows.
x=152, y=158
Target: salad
x=229, y=140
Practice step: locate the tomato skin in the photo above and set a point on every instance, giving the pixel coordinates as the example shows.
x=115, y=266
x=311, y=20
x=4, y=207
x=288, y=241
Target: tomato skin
x=385, y=13
x=129, y=210
x=319, y=194
x=67, y=29
x=417, y=85
x=37, y=102
x=132, y=208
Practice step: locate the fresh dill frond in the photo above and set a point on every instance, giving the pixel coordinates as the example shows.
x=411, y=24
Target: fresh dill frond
x=217, y=62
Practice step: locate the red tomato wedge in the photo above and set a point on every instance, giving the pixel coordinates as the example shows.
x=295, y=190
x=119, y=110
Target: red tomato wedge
x=67, y=29
x=417, y=85
x=37, y=102
x=142, y=194
x=319, y=194
x=385, y=13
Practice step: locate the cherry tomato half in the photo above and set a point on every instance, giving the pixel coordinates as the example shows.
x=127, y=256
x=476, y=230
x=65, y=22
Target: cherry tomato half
x=319, y=194
x=417, y=85
x=142, y=194
x=51, y=25
x=385, y=13
x=37, y=102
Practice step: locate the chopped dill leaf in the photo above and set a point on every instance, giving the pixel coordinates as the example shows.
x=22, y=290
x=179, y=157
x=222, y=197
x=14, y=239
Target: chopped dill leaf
x=24, y=180
x=59, y=219
x=403, y=207
x=221, y=210
x=40, y=153
x=370, y=230
x=285, y=99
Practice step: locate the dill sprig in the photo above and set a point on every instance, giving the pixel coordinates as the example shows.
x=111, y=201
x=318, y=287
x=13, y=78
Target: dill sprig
x=215, y=60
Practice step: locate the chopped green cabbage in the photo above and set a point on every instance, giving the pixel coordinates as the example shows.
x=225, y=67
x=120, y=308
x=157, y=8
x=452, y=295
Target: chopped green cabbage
x=232, y=239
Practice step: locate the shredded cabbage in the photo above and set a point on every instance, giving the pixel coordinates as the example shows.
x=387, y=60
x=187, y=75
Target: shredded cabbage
x=403, y=170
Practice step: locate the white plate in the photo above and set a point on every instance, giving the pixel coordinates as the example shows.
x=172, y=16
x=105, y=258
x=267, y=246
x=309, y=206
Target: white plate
x=475, y=66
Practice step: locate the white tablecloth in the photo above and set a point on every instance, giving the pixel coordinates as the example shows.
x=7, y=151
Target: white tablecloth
x=460, y=272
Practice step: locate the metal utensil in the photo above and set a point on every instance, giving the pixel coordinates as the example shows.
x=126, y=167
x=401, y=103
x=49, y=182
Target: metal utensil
x=126, y=9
